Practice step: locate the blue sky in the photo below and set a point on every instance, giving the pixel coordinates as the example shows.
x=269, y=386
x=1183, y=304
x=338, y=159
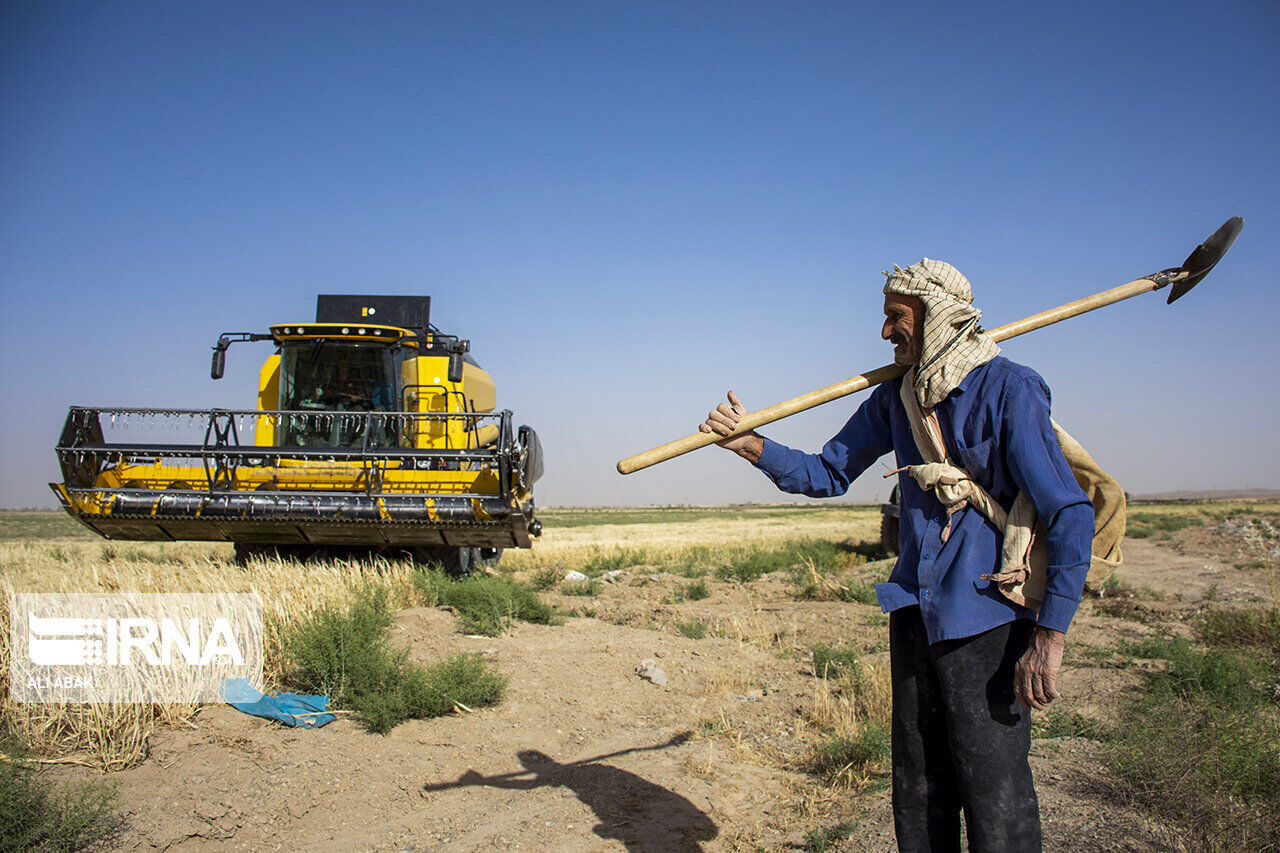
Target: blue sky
x=631, y=207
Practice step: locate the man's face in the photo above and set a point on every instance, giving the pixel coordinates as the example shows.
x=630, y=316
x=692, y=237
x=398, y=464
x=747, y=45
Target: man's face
x=904, y=327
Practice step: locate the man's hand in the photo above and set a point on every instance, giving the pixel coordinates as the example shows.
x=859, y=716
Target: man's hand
x=723, y=419
x=1036, y=677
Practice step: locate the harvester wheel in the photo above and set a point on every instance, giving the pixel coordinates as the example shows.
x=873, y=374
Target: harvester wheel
x=460, y=561
x=457, y=562
x=889, y=534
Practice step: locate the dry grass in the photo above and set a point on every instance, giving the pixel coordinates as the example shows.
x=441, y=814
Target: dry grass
x=688, y=543
x=115, y=735
x=760, y=630
x=852, y=710
x=853, y=699
x=733, y=680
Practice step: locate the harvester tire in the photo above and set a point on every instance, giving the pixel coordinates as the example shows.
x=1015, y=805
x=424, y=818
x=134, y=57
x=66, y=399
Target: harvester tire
x=457, y=562
x=889, y=534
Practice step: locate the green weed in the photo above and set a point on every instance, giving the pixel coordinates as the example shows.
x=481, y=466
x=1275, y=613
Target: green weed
x=1258, y=629
x=1057, y=722
x=697, y=590
x=485, y=604
x=1141, y=525
x=36, y=814
x=827, y=838
x=545, y=578
x=42, y=525
x=346, y=654
x=418, y=692
x=825, y=556
x=624, y=558
x=1201, y=746
x=831, y=661
x=695, y=630
x=843, y=758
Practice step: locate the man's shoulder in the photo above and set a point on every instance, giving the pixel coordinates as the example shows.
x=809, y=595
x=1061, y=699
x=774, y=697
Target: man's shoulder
x=1001, y=372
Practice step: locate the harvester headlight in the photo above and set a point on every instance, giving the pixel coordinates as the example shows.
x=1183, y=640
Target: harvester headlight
x=361, y=331
x=346, y=331
x=301, y=330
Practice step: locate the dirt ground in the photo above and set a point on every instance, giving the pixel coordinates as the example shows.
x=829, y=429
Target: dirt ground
x=584, y=754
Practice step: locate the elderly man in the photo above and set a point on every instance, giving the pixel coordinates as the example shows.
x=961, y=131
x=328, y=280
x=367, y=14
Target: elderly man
x=967, y=662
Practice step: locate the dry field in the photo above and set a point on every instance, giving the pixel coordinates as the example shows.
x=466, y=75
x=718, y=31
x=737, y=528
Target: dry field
x=768, y=733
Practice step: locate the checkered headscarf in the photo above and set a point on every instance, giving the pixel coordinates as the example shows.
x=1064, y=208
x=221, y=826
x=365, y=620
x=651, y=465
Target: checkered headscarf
x=953, y=342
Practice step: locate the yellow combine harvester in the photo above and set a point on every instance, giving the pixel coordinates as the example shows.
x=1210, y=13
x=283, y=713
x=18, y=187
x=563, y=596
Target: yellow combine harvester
x=373, y=432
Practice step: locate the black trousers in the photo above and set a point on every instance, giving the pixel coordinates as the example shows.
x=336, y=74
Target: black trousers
x=960, y=740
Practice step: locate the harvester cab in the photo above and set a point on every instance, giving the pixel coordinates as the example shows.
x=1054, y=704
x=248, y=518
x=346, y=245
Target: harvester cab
x=374, y=431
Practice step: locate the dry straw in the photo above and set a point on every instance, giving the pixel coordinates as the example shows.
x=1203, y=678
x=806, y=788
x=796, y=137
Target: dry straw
x=115, y=735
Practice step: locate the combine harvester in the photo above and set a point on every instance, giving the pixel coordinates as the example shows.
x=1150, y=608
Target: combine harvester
x=374, y=433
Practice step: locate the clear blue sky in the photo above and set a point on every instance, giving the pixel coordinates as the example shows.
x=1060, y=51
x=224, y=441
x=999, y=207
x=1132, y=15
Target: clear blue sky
x=631, y=207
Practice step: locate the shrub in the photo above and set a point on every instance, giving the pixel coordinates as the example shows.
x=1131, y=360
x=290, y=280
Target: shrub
x=1140, y=525
x=545, y=578
x=346, y=654
x=694, y=630
x=845, y=758
x=1242, y=629
x=460, y=680
x=485, y=604
x=341, y=651
x=830, y=661
x=582, y=588
x=37, y=815
x=863, y=593
x=825, y=555
x=1059, y=723
x=1199, y=746
x=826, y=838
x=697, y=590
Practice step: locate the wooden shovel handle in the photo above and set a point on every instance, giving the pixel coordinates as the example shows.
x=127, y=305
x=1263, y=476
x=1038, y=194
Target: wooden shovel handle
x=862, y=381
x=751, y=420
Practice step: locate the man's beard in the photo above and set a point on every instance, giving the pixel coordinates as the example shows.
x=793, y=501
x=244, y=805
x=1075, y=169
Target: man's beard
x=905, y=352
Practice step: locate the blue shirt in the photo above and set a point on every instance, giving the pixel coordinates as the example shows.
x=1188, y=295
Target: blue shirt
x=996, y=425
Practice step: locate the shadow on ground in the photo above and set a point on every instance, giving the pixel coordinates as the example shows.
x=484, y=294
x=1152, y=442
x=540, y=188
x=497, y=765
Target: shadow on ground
x=645, y=817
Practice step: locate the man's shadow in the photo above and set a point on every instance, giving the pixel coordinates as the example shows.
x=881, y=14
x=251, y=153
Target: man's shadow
x=645, y=817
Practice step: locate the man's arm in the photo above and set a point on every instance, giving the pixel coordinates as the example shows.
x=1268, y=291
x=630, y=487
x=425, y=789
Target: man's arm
x=1041, y=471
x=863, y=439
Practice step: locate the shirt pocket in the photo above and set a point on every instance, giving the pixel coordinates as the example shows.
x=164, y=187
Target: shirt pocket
x=979, y=460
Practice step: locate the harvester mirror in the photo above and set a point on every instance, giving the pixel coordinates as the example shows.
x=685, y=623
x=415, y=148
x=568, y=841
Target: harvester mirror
x=219, y=359
x=455, y=366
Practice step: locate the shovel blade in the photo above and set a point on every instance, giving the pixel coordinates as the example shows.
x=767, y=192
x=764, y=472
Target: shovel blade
x=1205, y=256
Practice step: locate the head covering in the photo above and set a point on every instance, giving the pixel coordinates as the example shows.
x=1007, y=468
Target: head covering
x=953, y=341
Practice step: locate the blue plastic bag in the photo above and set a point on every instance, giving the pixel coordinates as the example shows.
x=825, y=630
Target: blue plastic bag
x=292, y=709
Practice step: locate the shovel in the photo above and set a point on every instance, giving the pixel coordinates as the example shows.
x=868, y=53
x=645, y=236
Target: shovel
x=1178, y=279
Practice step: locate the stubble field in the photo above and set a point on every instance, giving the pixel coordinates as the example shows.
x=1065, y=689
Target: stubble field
x=770, y=731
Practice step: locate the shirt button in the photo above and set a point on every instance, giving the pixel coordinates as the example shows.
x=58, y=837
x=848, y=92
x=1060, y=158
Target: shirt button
x=926, y=556
x=925, y=593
